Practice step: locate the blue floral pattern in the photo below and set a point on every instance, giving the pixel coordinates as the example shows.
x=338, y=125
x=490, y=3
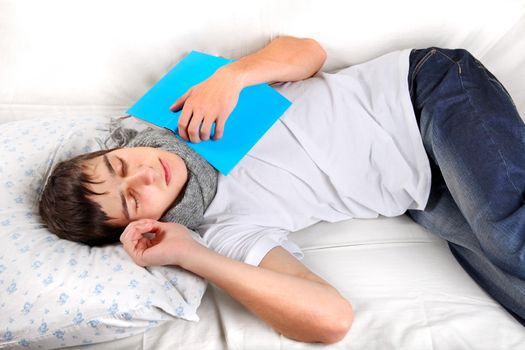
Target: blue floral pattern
x=56, y=293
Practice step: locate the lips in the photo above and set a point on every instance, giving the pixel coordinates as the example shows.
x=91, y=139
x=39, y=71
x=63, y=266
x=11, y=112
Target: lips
x=167, y=172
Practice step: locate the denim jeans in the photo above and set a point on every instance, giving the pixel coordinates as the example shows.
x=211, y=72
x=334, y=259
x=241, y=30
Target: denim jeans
x=475, y=141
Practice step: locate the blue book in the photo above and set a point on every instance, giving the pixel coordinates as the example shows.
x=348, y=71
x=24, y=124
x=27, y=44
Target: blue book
x=257, y=109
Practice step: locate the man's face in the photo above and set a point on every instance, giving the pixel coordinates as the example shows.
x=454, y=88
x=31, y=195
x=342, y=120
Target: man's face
x=141, y=183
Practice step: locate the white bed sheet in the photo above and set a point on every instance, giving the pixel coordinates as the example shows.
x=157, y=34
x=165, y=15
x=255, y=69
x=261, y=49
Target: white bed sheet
x=406, y=288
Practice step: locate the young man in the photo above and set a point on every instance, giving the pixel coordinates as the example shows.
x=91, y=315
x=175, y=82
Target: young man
x=359, y=143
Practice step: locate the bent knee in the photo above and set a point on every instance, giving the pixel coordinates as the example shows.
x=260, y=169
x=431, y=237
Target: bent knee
x=506, y=250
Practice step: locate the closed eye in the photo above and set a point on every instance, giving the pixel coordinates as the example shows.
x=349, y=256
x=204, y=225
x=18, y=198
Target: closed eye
x=123, y=173
x=136, y=201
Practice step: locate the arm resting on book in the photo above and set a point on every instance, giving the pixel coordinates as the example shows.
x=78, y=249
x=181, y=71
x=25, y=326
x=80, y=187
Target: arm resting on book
x=213, y=100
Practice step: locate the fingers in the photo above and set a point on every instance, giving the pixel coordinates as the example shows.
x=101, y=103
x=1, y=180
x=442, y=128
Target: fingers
x=186, y=114
x=206, y=128
x=184, y=120
x=219, y=128
x=194, y=126
x=203, y=105
x=170, y=239
x=134, y=230
x=134, y=242
x=197, y=127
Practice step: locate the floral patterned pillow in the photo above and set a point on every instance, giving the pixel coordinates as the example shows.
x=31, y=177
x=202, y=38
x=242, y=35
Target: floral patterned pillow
x=56, y=293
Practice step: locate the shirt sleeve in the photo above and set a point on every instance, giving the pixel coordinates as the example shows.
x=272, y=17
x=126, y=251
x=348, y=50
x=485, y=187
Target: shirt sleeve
x=266, y=243
x=249, y=244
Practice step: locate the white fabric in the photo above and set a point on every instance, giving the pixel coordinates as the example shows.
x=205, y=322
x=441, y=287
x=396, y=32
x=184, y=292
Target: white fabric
x=63, y=58
x=348, y=147
x=405, y=286
x=56, y=293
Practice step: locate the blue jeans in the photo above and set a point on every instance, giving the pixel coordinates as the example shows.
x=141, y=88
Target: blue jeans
x=475, y=141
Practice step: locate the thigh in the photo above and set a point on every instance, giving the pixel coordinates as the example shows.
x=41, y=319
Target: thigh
x=472, y=131
x=443, y=218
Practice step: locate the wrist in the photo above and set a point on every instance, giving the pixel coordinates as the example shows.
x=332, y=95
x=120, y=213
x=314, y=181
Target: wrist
x=194, y=257
x=235, y=73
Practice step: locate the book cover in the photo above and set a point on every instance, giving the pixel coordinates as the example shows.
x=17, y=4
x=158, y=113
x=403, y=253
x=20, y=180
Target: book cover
x=257, y=109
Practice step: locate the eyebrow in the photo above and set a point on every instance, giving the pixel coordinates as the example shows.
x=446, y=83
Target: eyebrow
x=122, y=198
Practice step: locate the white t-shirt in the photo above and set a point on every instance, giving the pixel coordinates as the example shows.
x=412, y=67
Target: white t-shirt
x=348, y=147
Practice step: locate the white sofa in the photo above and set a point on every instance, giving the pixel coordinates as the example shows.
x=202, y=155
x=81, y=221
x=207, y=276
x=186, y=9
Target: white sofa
x=61, y=58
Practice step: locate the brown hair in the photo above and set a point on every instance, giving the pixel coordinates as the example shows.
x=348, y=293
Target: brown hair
x=66, y=208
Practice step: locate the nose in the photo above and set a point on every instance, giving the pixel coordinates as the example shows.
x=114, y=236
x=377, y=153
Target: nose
x=143, y=176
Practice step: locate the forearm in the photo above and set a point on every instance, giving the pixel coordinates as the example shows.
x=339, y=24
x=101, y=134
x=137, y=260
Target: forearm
x=283, y=59
x=298, y=308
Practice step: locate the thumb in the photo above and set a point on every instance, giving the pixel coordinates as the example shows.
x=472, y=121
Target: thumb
x=134, y=230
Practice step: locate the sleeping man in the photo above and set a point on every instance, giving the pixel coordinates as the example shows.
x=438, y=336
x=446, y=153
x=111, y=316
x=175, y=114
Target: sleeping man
x=429, y=132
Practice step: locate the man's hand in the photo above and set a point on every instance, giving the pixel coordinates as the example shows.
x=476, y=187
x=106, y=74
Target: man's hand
x=211, y=101
x=168, y=243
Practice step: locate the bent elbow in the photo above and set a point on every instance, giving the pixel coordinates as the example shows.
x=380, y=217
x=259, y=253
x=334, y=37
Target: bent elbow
x=327, y=326
x=337, y=327
x=318, y=50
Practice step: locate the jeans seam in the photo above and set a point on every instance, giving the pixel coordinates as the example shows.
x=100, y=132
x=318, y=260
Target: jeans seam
x=417, y=68
x=425, y=58
x=493, y=79
x=502, y=158
x=489, y=136
x=451, y=60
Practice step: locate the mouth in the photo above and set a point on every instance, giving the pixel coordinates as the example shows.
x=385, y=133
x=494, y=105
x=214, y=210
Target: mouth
x=167, y=172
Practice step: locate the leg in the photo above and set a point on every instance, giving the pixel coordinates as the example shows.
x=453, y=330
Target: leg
x=475, y=137
x=443, y=218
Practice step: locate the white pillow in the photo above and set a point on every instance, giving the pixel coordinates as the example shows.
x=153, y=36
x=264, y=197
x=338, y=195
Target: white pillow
x=54, y=292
